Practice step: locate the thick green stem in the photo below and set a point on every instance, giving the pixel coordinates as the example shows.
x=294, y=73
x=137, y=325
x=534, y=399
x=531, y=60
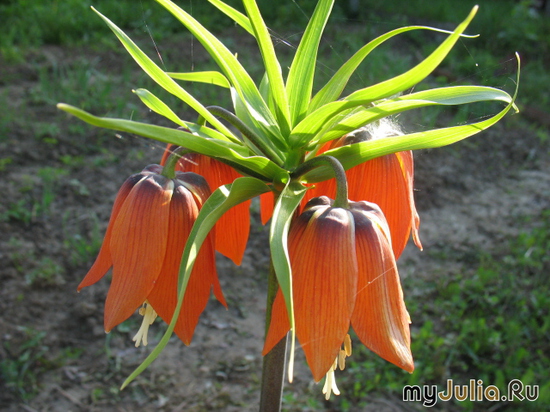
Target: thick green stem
x=273, y=369
x=341, y=199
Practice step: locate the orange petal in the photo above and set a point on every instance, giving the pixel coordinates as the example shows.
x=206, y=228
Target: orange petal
x=279, y=324
x=267, y=203
x=324, y=276
x=103, y=261
x=198, y=186
x=163, y=297
x=407, y=166
x=234, y=226
x=388, y=182
x=381, y=181
x=232, y=232
x=138, y=247
x=380, y=317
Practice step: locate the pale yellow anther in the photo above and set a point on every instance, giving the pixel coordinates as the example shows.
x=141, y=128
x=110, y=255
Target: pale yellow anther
x=342, y=360
x=149, y=316
x=347, y=345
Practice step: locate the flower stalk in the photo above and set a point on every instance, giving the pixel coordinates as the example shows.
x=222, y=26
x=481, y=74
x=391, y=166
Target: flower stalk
x=169, y=169
x=341, y=198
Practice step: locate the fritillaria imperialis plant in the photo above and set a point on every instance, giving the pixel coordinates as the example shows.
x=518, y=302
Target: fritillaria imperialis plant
x=334, y=257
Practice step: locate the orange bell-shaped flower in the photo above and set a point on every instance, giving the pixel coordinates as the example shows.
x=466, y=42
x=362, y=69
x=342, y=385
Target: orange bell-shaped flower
x=386, y=181
x=149, y=226
x=343, y=272
x=234, y=226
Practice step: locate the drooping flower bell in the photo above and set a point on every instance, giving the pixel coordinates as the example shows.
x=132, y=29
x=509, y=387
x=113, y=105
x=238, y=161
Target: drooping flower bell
x=149, y=226
x=234, y=226
x=343, y=273
x=386, y=180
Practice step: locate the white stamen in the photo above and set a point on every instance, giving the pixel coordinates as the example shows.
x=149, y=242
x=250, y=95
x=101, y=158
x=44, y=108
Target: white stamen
x=149, y=316
x=330, y=382
x=339, y=362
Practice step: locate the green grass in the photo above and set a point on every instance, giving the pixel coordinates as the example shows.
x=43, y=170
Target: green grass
x=70, y=22
x=82, y=238
x=490, y=323
x=37, y=270
x=22, y=365
x=29, y=358
x=500, y=23
x=83, y=83
x=36, y=195
x=33, y=23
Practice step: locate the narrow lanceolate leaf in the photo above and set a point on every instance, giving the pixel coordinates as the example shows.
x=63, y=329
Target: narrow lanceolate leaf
x=445, y=96
x=158, y=106
x=334, y=87
x=209, y=77
x=223, y=199
x=234, y=14
x=238, y=155
x=159, y=76
x=302, y=71
x=310, y=126
x=286, y=205
x=271, y=64
x=233, y=70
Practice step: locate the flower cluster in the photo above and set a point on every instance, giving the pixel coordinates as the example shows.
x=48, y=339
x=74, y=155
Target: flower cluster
x=343, y=259
x=150, y=222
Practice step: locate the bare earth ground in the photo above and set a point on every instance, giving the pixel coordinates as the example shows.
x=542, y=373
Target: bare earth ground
x=470, y=197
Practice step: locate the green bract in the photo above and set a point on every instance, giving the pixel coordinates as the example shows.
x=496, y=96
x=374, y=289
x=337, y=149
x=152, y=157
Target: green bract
x=286, y=121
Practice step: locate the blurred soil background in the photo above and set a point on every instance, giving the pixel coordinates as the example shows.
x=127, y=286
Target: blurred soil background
x=478, y=294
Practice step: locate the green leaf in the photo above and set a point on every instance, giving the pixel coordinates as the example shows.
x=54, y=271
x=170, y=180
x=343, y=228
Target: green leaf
x=445, y=96
x=286, y=205
x=158, y=106
x=258, y=166
x=276, y=151
x=209, y=77
x=358, y=153
x=355, y=154
x=265, y=91
x=271, y=64
x=302, y=71
x=223, y=199
x=234, y=14
x=334, y=87
x=233, y=70
x=308, y=128
x=163, y=79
